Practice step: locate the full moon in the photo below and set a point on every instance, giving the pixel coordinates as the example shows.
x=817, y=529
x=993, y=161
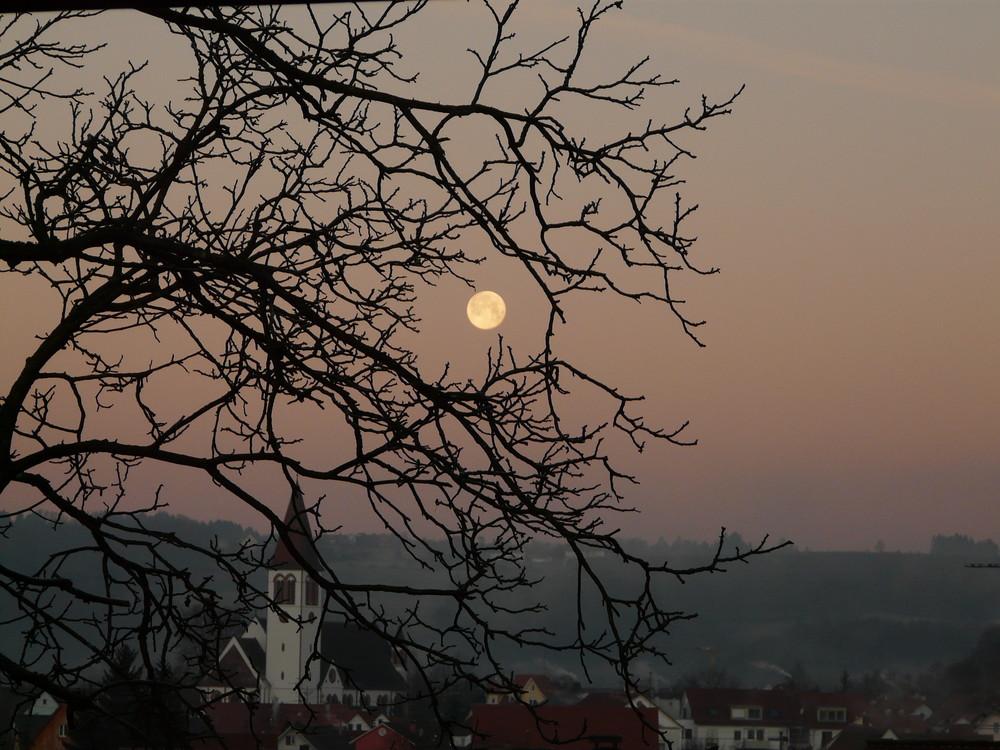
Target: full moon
x=486, y=310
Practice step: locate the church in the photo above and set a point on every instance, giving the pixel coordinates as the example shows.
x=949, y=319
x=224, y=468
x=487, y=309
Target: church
x=295, y=654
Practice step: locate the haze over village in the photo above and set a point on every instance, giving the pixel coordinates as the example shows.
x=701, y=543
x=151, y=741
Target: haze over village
x=831, y=651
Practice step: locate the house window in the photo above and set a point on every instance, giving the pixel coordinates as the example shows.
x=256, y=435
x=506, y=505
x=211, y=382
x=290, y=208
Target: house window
x=832, y=714
x=826, y=737
x=63, y=730
x=687, y=734
x=755, y=734
x=745, y=712
x=737, y=735
x=289, y=739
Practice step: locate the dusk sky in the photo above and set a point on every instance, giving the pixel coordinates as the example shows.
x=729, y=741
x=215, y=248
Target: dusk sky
x=848, y=390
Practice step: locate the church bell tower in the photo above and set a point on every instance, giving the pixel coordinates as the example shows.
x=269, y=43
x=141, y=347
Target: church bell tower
x=294, y=618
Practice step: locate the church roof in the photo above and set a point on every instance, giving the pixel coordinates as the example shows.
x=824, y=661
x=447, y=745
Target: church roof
x=239, y=666
x=364, y=658
x=255, y=652
x=299, y=538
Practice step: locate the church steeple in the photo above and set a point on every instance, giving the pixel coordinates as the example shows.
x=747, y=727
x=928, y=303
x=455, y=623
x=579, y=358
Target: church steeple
x=296, y=610
x=300, y=538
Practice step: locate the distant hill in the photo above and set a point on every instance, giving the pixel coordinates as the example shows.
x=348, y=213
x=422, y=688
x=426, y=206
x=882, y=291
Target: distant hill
x=819, y=611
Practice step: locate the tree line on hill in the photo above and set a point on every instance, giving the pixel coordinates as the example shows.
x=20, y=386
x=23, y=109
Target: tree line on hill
x=863, y=613
x=977, y=673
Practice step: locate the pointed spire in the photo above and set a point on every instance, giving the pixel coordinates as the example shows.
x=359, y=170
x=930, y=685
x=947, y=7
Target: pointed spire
x=300, y=537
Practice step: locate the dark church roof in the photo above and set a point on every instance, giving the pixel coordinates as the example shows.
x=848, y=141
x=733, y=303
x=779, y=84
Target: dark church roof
x=365, y=659
x=255, y=652
x=299, y=538
x=235, y=670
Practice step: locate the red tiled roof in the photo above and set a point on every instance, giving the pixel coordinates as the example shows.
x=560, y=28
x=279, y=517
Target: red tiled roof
x=392, y=726
x=604, y=698
x=239, y=726
x=503, y=726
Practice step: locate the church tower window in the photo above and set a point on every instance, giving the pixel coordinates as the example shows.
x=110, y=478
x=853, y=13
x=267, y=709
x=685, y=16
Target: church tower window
x=284, y=589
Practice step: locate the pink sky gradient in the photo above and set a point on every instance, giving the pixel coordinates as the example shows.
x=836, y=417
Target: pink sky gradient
x=849, y=389
x=848, y=392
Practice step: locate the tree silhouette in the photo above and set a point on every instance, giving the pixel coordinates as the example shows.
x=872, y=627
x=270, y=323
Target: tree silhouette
x=238, y=263
x=979, y=672
x=148, y=712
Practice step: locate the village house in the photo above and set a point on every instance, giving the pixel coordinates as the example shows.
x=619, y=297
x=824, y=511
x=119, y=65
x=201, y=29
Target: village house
x=988, y=726
x=533, y=689
x=969, y=717
x=774, y=719
x=727, y=719
x=823, y=715
x=43, y=726
x=391, y=736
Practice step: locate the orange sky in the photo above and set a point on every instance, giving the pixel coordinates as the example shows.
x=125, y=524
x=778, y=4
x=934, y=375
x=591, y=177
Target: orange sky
x=848, y=392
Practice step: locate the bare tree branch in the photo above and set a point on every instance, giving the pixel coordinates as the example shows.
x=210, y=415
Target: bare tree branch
x=229, y=260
